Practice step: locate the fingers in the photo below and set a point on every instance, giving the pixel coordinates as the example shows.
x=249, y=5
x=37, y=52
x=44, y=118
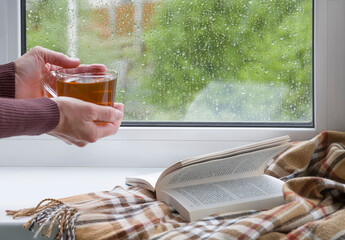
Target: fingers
x=119, y=106
x=108, y=114
x=111, y=120
x=91, y=68
x=106, y=129
x=56, y=58
x=111, y=127
x=82, y=122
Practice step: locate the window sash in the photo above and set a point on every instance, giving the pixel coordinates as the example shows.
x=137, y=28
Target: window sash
x=10, y=27
x=196, y=122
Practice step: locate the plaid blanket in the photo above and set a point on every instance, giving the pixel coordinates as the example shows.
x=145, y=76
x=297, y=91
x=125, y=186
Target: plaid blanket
x=313, y=171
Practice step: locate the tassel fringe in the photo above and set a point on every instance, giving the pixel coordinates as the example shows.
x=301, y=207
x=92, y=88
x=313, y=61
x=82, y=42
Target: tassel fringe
x=53, y=212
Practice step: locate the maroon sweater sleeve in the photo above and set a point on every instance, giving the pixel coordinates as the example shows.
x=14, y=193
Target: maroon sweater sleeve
x=7, y=85
x=23, y=116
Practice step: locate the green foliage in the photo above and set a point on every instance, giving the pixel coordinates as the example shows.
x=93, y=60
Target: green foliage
x=47, y=24
x=214, y=60
x=196, y=42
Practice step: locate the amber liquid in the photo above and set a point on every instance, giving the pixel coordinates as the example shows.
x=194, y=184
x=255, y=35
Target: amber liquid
x=95, y=90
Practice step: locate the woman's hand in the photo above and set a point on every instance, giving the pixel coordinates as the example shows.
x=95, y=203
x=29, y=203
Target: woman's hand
x=33, y=66
x=78, y=121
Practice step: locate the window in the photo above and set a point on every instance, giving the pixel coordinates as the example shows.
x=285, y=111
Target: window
x=238, y=62
x=160, y=146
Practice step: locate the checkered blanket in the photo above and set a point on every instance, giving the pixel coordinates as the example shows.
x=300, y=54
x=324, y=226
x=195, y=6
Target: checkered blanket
x=313, y=171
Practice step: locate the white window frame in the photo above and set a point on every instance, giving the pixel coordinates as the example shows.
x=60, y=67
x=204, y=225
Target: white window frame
x=161, y=146
x=10, y=41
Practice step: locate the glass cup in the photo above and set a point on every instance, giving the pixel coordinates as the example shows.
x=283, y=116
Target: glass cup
x=84, y=83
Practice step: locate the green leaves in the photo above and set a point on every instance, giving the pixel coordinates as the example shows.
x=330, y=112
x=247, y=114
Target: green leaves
x=196, y=42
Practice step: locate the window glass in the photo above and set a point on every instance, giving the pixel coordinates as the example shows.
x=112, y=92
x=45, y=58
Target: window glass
x=229, y=61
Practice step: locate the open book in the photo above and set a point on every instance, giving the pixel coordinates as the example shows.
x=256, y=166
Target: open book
x=226, y=181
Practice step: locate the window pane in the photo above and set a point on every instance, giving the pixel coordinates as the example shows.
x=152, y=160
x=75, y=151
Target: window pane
x=190, y=61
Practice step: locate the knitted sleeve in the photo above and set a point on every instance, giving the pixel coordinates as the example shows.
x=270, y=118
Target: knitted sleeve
x=7, y=85
x=23, y=116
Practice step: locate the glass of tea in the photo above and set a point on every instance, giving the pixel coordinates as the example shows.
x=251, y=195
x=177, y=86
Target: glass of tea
x=98, y=87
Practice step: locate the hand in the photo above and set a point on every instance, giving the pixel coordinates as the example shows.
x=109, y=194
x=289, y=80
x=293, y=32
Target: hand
x=33, y=66
x=78, y=121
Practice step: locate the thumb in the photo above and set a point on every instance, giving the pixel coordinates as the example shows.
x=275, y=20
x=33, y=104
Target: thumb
x=108, y=114
x=56, y=58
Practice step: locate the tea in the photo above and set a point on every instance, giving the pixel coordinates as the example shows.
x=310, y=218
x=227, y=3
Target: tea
x=99, y=90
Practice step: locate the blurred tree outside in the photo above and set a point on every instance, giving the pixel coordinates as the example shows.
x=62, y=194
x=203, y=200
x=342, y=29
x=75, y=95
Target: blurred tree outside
x=239, y=42
x=216, y=60
x=46, y=24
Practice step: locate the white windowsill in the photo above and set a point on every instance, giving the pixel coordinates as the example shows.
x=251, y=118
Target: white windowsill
x=24, y=187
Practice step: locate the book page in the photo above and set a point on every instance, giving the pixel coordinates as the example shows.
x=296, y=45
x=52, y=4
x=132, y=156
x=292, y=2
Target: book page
x=147, y=181
x=226, y=192
x=240, y=166
x=228, y=153
x=238, y=150
x=279, y=141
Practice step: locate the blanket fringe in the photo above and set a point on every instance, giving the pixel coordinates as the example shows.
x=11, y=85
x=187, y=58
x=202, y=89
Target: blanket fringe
x=51, y=213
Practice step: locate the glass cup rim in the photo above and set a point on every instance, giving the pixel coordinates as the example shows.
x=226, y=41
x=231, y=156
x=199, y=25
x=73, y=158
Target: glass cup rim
x=108, y=74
